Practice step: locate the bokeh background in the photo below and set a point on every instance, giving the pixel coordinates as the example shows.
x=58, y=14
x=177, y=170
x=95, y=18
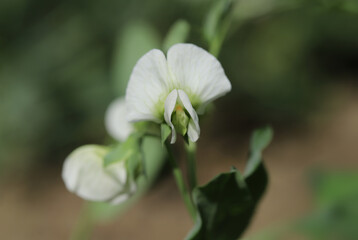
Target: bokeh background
x=293, y=64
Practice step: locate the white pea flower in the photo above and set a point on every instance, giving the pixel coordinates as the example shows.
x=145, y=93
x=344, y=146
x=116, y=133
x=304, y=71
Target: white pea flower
x=175, y=89
x=116, y=121
x=85, y=175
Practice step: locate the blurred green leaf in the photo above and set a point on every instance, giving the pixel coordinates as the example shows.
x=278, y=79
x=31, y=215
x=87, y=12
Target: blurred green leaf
x=332, y=187
x=351, y=6
x=134, y=41
x=227, y=203
x=178, y=33
x=336, y=213
x=217, y=24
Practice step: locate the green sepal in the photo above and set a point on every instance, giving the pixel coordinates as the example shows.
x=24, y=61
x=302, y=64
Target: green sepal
x=164, y=132
x=227, y=203
x=130, y=152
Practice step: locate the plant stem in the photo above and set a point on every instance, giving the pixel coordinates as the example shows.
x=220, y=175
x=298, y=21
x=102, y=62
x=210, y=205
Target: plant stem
x=84, y=225
x=191, y=156
x=180, y=182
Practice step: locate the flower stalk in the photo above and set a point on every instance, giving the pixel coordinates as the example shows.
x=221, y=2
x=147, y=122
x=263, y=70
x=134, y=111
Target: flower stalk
x=190, y=149
x=84, y=227
x=178, y=176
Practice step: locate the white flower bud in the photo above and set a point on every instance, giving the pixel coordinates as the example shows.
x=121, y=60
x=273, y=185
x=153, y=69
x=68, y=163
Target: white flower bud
x=85, y=175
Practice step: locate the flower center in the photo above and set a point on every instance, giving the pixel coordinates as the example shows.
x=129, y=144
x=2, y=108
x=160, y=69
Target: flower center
x=180, y=119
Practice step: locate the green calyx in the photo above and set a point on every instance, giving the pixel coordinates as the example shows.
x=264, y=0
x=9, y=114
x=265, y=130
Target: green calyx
x=180, y=120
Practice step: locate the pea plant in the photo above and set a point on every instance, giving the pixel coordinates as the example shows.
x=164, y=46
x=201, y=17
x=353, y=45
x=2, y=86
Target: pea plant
x=166, y=95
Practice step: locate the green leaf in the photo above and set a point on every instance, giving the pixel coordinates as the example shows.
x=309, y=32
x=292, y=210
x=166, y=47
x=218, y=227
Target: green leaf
x=178, y=33
x=224, y=207
x=136, y=39
x=227, y=203
x=165, y=132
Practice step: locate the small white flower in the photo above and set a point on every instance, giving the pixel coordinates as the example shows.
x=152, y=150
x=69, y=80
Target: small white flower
x=116, y=121
x=176, y=88
x=85, y=175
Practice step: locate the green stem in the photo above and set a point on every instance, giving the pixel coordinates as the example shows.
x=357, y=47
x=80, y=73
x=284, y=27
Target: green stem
x=84, y=225
x=180, y=182
x=191, y=152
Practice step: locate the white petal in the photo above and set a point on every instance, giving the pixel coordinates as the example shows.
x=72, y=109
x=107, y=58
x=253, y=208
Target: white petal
x=125, y=195
x=121, y=198
x=148, y=87
x=84, y=174
x=169, y=106
x=116, y=120
x=193, y=128
x=193, y=132
x=198, y=73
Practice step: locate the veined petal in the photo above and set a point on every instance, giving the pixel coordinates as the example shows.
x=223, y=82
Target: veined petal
x=147, y=87
x=169, y=106
x=84, y=174
x=198, y=73
x=116, y=121
x=193, y=128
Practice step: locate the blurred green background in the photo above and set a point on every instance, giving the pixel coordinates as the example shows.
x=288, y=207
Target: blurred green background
x=292, y=63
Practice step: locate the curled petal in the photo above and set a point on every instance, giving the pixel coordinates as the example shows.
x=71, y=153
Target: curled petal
x=84, y=174
x=193, y=131
x=116, y=121
x=193, y=128
x=198, y=73
x=169, y=106
x=148, y=85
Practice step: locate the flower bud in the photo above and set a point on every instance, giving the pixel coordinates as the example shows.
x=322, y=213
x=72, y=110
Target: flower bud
x=85, y=175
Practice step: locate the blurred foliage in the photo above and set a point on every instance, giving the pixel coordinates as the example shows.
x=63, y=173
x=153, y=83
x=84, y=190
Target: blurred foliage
x=336, y=214
x=282, y=54
x=62, y=62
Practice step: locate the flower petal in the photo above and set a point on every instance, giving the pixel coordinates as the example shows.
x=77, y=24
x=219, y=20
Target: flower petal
x=148, y=86
x=116, y=120
x=198, y=73
x=125, y=195
x=193, y=128
x=169, y=106
x=84, y=174
x=193, y=132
